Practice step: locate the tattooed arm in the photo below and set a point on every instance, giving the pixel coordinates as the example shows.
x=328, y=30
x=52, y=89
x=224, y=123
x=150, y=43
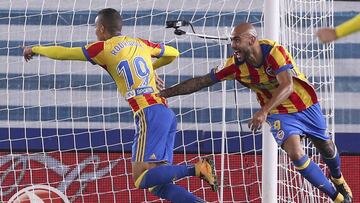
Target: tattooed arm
x=188, y=86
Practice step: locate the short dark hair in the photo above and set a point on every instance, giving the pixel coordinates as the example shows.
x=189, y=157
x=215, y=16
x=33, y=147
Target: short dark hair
x=111, y=20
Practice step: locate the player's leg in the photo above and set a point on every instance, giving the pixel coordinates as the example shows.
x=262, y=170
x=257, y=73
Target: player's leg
x=149, y=149
x=147, y=175
x=316, y=130
x=170, y=191
x=174, y=193
x=331, y=158
x=149, y=171
x=151, y=158
x=307, y=168
x=329, y=154
x=154, y=143
x=286, y=130
x=163, y=132
x=158, y=178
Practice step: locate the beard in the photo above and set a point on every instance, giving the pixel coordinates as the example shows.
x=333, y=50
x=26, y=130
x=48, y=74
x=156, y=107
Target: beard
x=242, y=56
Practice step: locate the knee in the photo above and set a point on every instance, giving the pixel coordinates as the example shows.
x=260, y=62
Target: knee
x=296, y=154
x=328, y=150
x=135, y=177
x=138, y=174
x=328, y=153
x=140, y=170
x=293, y=148
x=138, y=179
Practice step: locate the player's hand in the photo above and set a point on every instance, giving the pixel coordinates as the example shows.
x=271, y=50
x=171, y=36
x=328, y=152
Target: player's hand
x=326, y=35
x=257, y=120
x=160, y=85
x=28, y=53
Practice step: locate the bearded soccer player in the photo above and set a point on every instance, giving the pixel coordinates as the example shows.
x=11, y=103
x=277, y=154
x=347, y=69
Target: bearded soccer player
x=288, y=103
x=128, y=61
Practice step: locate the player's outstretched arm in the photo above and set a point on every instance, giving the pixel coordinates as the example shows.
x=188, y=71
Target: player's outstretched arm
x=350, y=26
x=188, y=86
x=169, y=55
x=330, y=34
x=55, y=52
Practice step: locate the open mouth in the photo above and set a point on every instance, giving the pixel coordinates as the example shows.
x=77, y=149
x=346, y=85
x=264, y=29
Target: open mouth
x=238, y=55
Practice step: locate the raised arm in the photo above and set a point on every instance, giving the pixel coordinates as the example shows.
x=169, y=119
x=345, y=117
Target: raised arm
x=350, y=26
x=188, y=86
x=55, y=52
x=330, y=34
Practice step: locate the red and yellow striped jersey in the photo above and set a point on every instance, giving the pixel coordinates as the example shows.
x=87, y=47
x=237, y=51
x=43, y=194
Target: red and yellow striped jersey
x=128, y=61
x=262, y=79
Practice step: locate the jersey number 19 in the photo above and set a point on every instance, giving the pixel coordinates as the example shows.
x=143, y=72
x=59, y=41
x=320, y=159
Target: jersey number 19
x=141, y=70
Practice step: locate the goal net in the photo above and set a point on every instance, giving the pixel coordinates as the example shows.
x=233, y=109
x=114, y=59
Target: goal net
x=299, y=22
x=66, y=133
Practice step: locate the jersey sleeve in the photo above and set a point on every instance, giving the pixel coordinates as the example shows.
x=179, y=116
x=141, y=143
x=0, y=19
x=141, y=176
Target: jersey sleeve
x=60, y=53
x=279, y=59
x=94, y=53
x=156, y=49
x=350, y=26
x=226, y=73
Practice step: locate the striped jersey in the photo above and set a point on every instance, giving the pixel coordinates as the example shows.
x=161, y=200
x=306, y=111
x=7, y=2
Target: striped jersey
x=262, y=79
x=128, y=61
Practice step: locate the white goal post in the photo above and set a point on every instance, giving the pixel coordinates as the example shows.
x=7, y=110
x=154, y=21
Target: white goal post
x=269, y=146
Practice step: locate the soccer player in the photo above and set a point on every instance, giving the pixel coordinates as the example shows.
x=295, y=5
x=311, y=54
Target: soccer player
x=327, y=35
x=288, y=103
x=128, y=61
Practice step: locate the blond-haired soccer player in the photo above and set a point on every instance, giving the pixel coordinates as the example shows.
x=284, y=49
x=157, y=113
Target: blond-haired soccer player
x=128, y=61
x=288, y=103
x=331, y=34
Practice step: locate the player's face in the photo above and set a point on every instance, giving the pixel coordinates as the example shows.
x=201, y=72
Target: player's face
x=241, y=46
x=99, y=30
